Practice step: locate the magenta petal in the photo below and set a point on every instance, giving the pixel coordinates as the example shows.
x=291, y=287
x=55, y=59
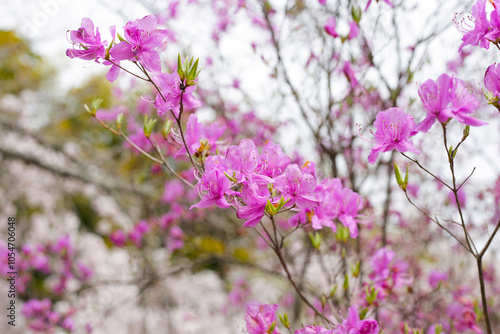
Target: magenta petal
x=150, y=60
x=122, y=51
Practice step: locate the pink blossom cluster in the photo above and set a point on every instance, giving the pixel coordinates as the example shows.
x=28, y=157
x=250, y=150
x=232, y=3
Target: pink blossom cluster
x=141, y=45
x=261, y=318
x=50, y=268
x=173, y=234
x=389, y=274
x=447, y=98
x=42, y=318
x=249, y=180
x=55, y=260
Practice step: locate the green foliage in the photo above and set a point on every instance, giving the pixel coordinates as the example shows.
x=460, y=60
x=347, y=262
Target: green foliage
x=20, y=67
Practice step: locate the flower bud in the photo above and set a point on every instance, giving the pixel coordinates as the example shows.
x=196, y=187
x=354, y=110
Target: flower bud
x=167, y=127
x=148, y=126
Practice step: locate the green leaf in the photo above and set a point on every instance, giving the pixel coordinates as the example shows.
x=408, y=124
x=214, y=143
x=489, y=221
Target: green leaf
x=315, y=239
x=179, y=66
x=356, y=13
x=346, y=282
x=233, y=179
x=119, y=121
x=167, y=127
x=355, y=269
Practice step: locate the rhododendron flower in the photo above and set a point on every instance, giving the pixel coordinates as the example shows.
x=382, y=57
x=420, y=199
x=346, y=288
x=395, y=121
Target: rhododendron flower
x=446, y=98
x=272, y=160
x=143, y=42
x=388, y=272
x=138, y=232
x=170, y=86
x=462, y=316
x=175, y=239
x=313, y=330
x=481, y=32
x=492, y=79
x=330, y=27
x=259, y=319
x=199, y=136
x=394, y=127
x=354, y=30
x=243, y=159
x=298, y=187
x=353, y=325
x=255, y=198
x=436, y=277
x=239, y=293
x=348, y=204
x=212, y=187
x=350, y=73
x=118, y=238
x=41, y=317
x=92, y=48
x=326, y=210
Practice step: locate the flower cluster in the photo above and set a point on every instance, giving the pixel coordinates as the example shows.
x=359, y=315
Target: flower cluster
x=261, y=319
x=446, y=98
x=476, y=28
x=255, y=182
x=43, y=319
x=55, y=260
x=165, y=226
x=389, y=273
x=48, y=269
x=141, y=45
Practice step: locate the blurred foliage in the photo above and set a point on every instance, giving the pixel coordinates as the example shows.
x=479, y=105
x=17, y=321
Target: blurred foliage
x=20, y=67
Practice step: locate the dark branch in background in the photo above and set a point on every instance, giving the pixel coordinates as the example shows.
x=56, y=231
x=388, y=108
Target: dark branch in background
x=106, y=182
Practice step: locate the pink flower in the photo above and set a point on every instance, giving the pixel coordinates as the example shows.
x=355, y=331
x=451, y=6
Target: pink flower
x=175, y=239
x=90, y=44
x=462, y=316
x=354, y=30
x=476, y=34
x=239, y=292
x=492, y=79
x=330, y=27
x=446, y=98
x=273, y=161
x=174, y=189
x=259, y=319
x=388, y=272
x=138, y=232
x=298, y=187
x=118, y=238
x=326, y=210
x=353, y=325
x=243, y=159
x=350, y=74
x=313, y=330
x=255, y=199
x=170, y=86
x=198, y=136
x=436, y=277
x=394, y=127
x=212, y=187
x=348, y=204
x=143, y=42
